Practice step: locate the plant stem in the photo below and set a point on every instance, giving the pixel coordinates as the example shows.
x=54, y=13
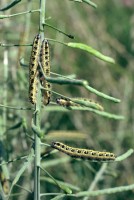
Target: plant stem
x=37, y=146
x=37, y=117
x=16, y=14
x=97, y=178
x=13, y=3
x=5, y=170
x=37, y=159
x=60, y=31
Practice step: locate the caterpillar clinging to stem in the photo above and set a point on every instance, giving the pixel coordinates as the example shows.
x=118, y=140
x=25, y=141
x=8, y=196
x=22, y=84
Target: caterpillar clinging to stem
x=83, y=153
x=45, y=63
x=33, y=72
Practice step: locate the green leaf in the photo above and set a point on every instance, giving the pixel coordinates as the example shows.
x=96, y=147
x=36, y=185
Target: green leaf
x=91, y=51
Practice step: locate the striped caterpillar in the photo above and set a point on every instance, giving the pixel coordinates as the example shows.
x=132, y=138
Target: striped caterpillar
x=79, y=102
x=44, y=59
x=33, y=72
x=83, y=153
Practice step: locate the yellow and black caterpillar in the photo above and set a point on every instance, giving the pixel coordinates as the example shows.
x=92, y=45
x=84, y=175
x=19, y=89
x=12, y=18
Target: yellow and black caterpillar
x=83, y=153
x=65, y=102
x=39, y=53
x=79, y=102
x=45, y=62
x=33, y=71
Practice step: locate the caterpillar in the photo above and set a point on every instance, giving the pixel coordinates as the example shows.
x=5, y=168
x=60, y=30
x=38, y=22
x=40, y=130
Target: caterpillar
x=65, y=102
x=83, y=153
x=44, y=59
x=79, y=102
x=33, y=72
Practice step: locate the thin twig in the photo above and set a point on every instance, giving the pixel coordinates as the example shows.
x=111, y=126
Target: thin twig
x=17, y=14
x=97, y=178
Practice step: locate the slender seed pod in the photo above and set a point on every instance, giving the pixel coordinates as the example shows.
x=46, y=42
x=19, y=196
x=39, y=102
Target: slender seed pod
x=45, y=62
x=33, y=65
x=79, y=102
x=88, y=103
x=83, y=153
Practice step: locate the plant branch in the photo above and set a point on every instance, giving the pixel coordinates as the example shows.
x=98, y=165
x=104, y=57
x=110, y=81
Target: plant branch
x=10, y=5
x=17, y=14
x=60, y=31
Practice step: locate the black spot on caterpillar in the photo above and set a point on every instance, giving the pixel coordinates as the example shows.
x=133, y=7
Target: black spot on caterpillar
x=79, y=102
x=33, y=65
x=45, y=62
x=83, y=153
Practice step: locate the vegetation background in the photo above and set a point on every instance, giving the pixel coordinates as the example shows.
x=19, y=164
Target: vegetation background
x=110, y=30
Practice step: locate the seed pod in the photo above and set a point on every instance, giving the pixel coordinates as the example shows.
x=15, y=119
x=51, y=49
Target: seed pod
x=79, y=102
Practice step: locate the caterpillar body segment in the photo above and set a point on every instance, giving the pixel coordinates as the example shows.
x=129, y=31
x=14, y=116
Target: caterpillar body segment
x=33, y=71
x=44, y=57
x=33, y=89
x=45, y=63
x=83, y=153
x=46, y=94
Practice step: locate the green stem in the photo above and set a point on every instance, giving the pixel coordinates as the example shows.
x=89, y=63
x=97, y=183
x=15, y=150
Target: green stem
x=14, y=160
x=79, y=1
x=125, y=155
x=10, y=5
x=36, y=120
x=60, y=31
x=14, y=45
x=15, y=108
x=97, y=178
x=37, y=150
x=83, y=83
x=96, y=192
x=105, y=191
x=16, y=14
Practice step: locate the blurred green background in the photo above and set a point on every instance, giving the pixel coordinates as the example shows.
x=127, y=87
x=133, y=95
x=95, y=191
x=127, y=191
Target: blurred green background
x=110, y=30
